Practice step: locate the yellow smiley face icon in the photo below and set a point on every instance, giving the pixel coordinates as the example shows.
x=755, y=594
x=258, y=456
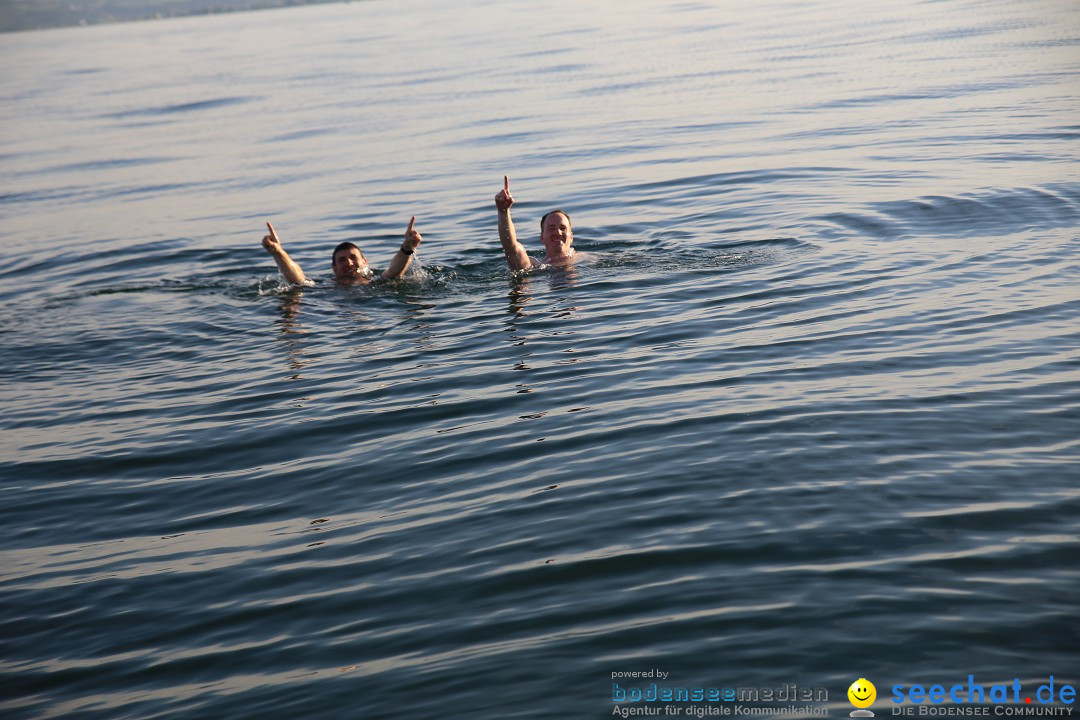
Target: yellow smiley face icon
x=862, y=693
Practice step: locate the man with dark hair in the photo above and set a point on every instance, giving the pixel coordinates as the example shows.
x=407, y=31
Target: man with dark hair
x=556, y=235
x=350, y=265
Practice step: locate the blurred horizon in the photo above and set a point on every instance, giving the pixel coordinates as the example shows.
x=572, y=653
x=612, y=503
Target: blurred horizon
x=23, y=15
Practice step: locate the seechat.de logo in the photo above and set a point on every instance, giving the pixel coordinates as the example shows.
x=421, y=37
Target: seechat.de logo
x=1002, y=698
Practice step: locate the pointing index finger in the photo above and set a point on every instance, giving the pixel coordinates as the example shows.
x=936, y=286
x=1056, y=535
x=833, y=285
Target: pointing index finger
x=506, y=184
x=411, y=223
x=272, y=233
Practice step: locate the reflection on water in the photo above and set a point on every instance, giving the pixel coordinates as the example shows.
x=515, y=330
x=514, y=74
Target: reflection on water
x=291, y=332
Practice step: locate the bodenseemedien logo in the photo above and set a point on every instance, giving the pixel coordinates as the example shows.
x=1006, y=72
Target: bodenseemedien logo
x=667, y=697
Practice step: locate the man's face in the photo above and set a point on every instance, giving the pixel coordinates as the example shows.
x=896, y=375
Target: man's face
x=348, y=263
x=556, y=235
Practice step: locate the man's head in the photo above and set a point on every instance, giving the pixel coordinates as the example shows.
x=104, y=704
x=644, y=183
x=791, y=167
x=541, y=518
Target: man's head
x=556, y=234
x=347, y=260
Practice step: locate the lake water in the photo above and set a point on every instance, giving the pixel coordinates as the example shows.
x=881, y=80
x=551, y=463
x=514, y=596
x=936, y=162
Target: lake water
x=813, y=414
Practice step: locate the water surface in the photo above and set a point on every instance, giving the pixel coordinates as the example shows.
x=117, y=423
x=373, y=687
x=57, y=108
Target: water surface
x=811, y=416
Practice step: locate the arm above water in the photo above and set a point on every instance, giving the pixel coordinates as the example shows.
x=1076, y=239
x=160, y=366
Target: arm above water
x=288, y=267
x=516, y=256
x=400, y=262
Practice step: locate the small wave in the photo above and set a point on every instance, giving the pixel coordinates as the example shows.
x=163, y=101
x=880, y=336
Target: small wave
x=740, y=177
x=1000, y=211
x=184, y=107
x=302, y=134
x=667, y=255
x=107, y=164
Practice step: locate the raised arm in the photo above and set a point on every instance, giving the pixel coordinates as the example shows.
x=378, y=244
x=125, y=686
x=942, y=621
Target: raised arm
x=400, y=262
x=516, y=256
x=288, y=267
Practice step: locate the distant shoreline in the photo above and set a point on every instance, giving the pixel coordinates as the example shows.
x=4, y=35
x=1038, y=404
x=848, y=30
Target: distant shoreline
x=22, y=15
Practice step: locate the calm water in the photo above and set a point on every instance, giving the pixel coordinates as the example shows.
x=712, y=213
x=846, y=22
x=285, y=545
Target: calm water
x=813, y=414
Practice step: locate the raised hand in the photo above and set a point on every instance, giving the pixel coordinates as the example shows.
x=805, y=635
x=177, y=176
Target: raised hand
x=400, y=262
x=289, y=269
x=412, y=236
x=503, y=200
x=271, y=242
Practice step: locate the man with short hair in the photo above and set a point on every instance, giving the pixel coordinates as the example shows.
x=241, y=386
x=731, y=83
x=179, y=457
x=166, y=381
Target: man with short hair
x=349, y=264
x=556, y=235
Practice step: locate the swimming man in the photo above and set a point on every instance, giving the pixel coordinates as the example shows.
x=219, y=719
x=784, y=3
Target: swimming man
x=350, y=265
x=556, y=235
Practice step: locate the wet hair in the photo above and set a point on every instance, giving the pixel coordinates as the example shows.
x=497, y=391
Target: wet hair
x=344, y=246
x=561, y=212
